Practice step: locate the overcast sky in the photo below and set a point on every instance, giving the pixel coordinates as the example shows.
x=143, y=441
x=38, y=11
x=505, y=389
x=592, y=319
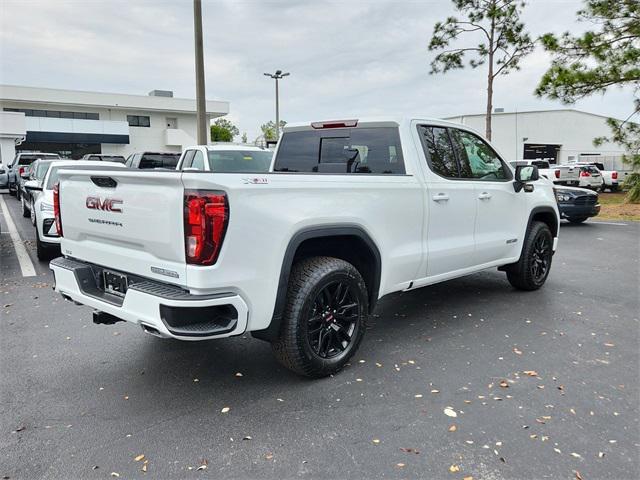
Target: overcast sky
x=347, y=58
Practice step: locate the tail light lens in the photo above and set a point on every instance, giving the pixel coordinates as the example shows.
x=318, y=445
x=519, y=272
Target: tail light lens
x=614, y=175
x=20, y=171
x=206, y=215
x=56, y=207
x=557, y=173
x=585, y=174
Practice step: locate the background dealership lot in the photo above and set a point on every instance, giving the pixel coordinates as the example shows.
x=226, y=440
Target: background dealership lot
x=80, y=400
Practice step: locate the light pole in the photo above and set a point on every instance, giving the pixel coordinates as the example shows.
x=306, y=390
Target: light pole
x=277, y=76
x=201, y=105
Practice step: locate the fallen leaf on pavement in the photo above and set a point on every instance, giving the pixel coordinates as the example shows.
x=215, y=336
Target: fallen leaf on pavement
x=453, y=428
x=516, y=351
x=531, y=373
x=400, y=465
x=376, y=441
x=115, y=474
x=139, y=457
x=225, y=410
x=449, y=412
x=504, y=384
x=409, y=450
x=578, y=476
x=454, y=468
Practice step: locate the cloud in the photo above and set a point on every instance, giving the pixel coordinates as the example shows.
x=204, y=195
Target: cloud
x=346, y=58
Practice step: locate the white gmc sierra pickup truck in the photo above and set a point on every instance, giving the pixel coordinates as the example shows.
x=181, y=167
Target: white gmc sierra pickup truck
x=349, y=211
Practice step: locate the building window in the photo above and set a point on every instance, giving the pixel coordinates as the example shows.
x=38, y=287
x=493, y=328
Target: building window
x=138, y=121
x=55, y=113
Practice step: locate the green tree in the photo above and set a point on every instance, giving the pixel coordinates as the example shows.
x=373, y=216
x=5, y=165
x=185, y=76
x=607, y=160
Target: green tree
x=496, y=37
x=595, y=61
x=244, y=137
x=223, y=130
x=269, y=129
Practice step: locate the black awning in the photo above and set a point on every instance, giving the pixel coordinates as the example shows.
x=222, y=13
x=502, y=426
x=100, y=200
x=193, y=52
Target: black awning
x=87, y=138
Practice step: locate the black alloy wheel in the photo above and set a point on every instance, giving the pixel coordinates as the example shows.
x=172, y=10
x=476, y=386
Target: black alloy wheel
x=333, y=320
x=540, y=258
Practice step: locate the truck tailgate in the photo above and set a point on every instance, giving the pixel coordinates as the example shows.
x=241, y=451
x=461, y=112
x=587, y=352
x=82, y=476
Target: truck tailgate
x=126, y=220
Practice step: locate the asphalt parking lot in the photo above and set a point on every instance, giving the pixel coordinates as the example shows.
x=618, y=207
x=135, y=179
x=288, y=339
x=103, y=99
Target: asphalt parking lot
x=469, y=378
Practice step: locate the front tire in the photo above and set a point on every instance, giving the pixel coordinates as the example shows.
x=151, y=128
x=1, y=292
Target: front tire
x=532, y=270
x=324, y=318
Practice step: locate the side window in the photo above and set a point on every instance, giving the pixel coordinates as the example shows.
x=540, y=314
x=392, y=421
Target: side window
x=439, y=151
x=188, y=159
x=198, y=160
x=482, y=160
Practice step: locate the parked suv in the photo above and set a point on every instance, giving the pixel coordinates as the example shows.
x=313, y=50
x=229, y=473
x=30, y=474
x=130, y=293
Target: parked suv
x=148, y=160
x=19, y=165
x=350, y=211
x=36, y=171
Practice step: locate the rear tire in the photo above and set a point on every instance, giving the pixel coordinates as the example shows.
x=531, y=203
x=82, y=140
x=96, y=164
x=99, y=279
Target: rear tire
x=577, y=219
x=531, y=271
x=25, y=210
x=324, y=318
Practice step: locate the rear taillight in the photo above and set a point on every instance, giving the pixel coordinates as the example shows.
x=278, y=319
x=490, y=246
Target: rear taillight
x=557, y=173
x=56, y=208
x=206, y=214
x=614, y=175
x=20, y=171
x=585, y=174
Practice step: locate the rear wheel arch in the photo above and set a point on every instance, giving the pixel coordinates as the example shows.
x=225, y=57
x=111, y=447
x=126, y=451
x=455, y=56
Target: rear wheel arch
x=348, y=242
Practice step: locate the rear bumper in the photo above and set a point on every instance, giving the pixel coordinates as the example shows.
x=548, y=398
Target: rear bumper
x=160, y=309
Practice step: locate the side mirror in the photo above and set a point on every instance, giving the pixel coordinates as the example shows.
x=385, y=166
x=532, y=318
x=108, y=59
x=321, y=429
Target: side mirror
x=32, y=185
x=524, y=175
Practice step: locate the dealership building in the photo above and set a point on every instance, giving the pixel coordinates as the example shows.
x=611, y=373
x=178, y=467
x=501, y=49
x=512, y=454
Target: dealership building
x=559, y=136
x=74, y=123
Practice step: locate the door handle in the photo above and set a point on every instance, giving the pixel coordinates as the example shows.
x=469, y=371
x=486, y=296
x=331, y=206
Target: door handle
x=440, y=197
x=484, y=196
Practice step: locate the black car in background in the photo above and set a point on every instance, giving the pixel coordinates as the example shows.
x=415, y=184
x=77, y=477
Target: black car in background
x=576, y=204
x=146, y=160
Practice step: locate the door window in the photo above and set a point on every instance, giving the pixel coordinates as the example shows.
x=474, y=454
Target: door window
x=439, y=151
x=482, y=161
x=188, y=159
x=198, y=160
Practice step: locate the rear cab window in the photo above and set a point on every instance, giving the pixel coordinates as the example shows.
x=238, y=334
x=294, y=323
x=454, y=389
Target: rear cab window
x=358, y=150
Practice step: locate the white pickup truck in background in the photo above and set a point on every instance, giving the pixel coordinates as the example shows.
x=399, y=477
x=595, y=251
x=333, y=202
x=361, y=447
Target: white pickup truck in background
x=350, y=211
x=558, y=174
x=609, y=177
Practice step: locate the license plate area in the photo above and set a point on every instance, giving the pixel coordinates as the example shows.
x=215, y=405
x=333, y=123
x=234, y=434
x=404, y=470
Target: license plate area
x=115, y=283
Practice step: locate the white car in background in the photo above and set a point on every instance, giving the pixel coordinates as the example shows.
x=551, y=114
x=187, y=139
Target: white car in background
x=47, y=237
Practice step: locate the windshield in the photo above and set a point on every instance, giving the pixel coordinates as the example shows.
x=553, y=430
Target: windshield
x=41, y=170
x=232, y=161
x=53, y=177
x=159, y=160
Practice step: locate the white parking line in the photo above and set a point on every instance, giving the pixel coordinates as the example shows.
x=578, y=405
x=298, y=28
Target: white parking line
x=26, y=265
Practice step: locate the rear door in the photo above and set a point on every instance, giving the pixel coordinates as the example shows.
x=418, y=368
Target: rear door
x=451, y=205
x=500, y=210
x=127, y=220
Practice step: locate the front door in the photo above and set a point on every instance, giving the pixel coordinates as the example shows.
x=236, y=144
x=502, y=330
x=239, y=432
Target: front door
x=451, y=206
x=500, y=210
